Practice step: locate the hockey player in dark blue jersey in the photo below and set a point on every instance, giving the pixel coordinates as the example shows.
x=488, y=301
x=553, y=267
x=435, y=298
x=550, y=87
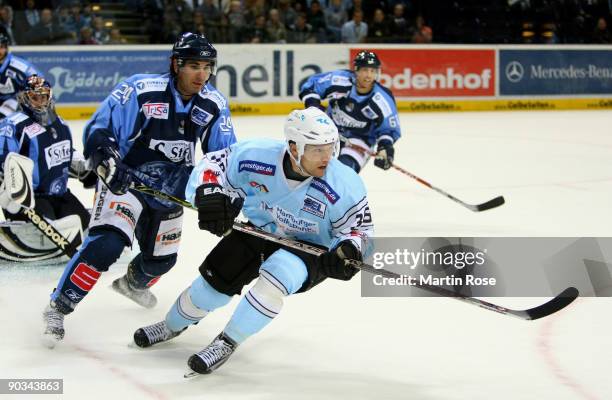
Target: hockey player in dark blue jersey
x=363, y=110
x=37, y=132
x=145, y=130
x=14, y=73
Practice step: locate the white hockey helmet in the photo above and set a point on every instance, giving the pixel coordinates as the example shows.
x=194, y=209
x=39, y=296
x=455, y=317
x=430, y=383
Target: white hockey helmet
x=310, y=126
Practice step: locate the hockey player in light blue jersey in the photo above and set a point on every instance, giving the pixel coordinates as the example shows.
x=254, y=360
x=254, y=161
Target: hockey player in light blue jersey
x=14, y=74
x=297, y=189
x=145, y=130
x=363, y=110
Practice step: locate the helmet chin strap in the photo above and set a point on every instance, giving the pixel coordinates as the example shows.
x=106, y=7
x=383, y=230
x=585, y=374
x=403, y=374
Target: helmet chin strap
x=299, y=165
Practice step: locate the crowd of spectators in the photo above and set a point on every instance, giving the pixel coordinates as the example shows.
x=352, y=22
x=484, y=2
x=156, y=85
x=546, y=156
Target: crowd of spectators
x=316, y=21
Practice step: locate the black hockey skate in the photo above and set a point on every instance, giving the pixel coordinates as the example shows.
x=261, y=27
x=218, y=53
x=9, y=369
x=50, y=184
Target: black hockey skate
x=157, y=333
x=142, y=297
x=212, y=356
x=54, y=326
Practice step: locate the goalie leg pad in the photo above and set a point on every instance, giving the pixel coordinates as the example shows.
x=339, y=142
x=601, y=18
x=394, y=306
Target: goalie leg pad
x=80, y=274
x=282, y=274
x=194, y=304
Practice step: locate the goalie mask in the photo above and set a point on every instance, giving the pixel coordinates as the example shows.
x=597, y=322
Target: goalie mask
x=36, y=100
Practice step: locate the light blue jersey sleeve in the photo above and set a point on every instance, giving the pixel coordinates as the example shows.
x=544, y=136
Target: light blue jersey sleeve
x=389, y=128
x=116, y=120
x=324, y=85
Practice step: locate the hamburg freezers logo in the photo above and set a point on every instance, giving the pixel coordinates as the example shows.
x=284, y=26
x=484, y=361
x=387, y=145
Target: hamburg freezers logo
x=314, y=206
x=260, y=186
x=324, y=188
x=256, y=167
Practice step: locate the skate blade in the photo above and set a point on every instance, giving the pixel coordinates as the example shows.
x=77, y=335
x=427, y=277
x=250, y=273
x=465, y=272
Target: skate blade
x=191, y=374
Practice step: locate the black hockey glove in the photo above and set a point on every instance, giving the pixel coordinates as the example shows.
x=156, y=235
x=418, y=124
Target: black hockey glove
x=216, y=213
x=332, y=262
x=384, y=154
x=113, y=172
x=314, y=102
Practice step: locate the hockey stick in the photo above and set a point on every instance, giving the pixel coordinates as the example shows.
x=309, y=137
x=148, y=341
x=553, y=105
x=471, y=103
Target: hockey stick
x=17, y=170
x=487, y=205
x=559, y=302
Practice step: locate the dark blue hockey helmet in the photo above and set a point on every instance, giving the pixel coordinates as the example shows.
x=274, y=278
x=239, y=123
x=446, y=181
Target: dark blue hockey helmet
x=192, y=46
x=366, y=58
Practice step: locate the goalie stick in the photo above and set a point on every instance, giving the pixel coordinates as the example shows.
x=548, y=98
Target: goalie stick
x=562, y=300
x=487, y=205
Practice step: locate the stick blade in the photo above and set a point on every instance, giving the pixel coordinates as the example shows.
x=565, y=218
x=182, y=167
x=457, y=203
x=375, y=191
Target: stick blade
x=563, y=299
x=493, y=203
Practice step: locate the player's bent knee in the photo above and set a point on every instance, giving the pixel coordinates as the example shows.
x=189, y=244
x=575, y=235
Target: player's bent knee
x=102, y=248
x=203, y=296
x=285, y=270
x=268, y=294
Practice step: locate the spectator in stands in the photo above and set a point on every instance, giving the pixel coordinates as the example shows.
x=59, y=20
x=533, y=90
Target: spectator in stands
x=277, y=32
x=6, y=23
x=398, y=25
x=601, y=34
x=26, y=19
x=355, y=30
x=47, y=31
x=300, y=32
x=212, y=15
x=99, y=32
x=76, y=21
x=115, y=37
x=86, y=36
x=356, y=5
x=258, y=33
x=378, y=30
x=288, y=15
x=335, y=17
x=422, y=33
x=236, y=21
x=316, y=19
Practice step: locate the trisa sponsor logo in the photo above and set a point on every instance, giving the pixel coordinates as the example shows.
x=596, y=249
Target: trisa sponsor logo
x=174, y=150
x=58, y=153
x=167, y=238
x=124, y=211
x=156, y=110
x=67, y=81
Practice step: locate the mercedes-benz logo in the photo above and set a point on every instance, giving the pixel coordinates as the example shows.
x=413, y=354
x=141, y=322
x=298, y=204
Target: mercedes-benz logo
x=514, y=71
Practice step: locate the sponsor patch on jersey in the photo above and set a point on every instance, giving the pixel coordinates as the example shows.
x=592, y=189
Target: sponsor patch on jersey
x=368, y=112
x=289, y=223
x=340, y=80
x=200, y=117
x=174, y=150
x=382, y=103
x=344, y=120
x=124, y=210
x=33, y=130
x=314, y=206
x=58, y=153
x=7, y=87
x=58, y=185
x=156, y=110
x=323, y=187
x=7, y=130
x=19, y=65
x=214, y=96
x=151, y=85
x=256, y=167
x=123, y=93
x=259, y=186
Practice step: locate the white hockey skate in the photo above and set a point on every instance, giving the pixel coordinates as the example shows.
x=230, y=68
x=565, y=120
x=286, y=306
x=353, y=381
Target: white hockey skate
x=54, y=326
x=152, y=334
x=142, y=297
x=211, y=357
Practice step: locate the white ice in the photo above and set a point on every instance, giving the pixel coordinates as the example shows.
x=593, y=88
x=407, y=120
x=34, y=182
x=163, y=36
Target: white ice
x=555, y=171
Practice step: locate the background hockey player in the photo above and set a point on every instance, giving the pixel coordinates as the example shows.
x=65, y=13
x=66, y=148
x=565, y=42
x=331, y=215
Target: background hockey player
x=37, y=132
x=363, y=110
x=14, y=74
x=146, y=129
x=294, y=188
